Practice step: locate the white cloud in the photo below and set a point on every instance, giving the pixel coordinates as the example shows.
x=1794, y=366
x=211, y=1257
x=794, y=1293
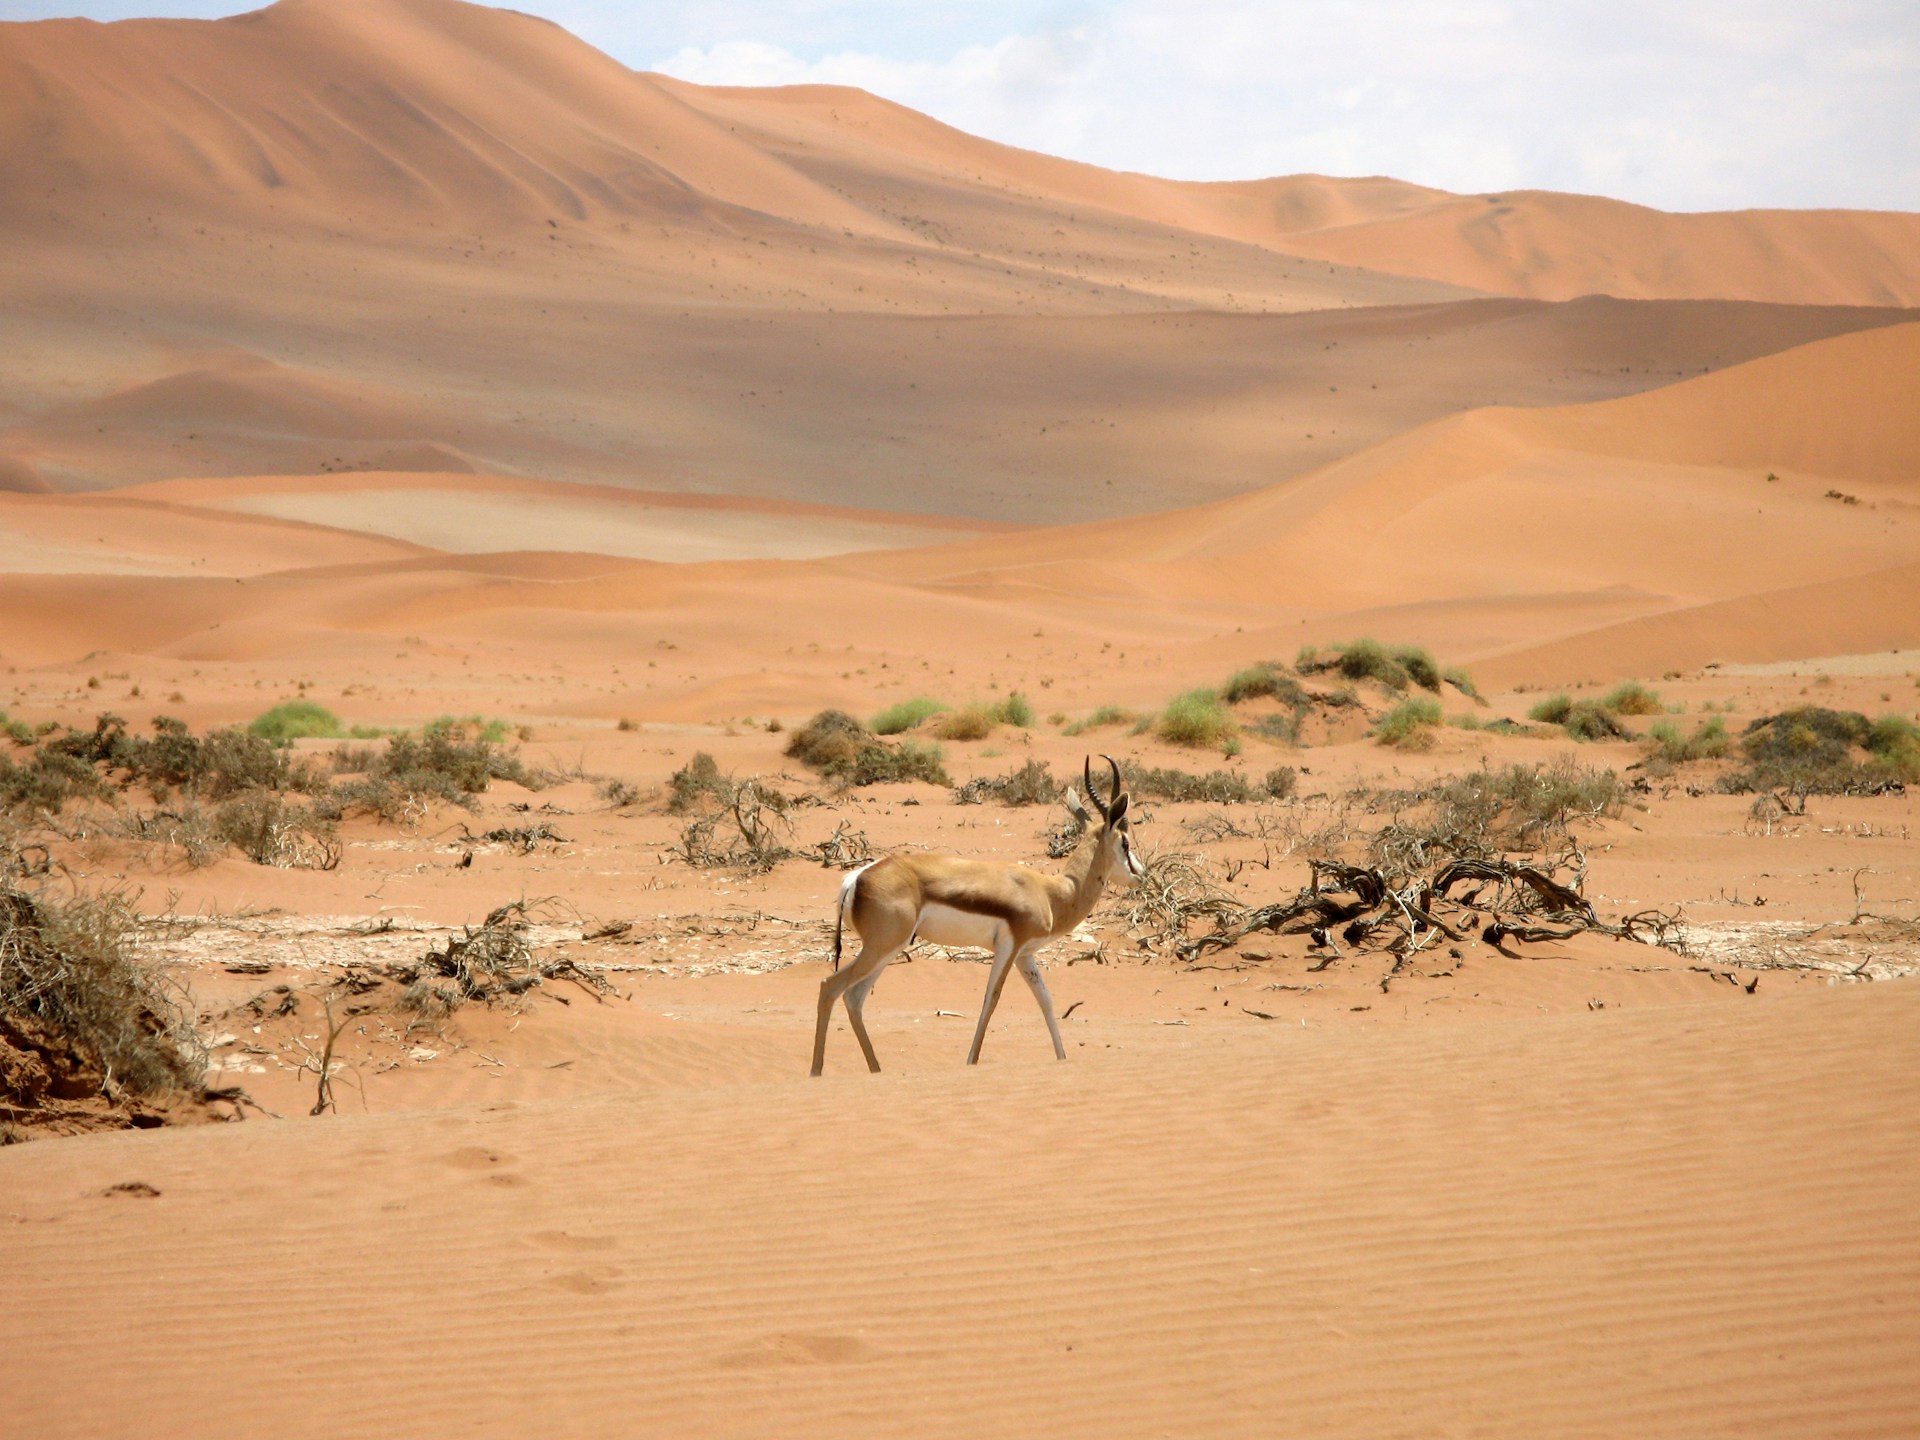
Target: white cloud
x=1698, y=106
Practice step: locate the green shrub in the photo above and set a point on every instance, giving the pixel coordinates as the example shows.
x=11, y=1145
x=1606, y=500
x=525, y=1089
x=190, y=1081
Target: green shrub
x=1463, y=682
x=694, y=783
x=910, y=760
x=1552, y=710
x=297, y=720
x=1590, y=720
x=1356, y=660
x=1016, y=710
x=1895, y=740
x=1196, y=719
x=1410, y=724
x=1105, y=715
x=1419, y=666
x=463, y=728
x=1709, y=741
x=46, y=781
x=1632, y=698
x=836, y=744
x=1262, y=681
x=905, y=715
x=1366, y=659
x=441, y=763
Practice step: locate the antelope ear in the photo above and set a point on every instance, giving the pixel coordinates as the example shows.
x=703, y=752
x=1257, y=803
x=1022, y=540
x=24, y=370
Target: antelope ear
x=1119, y=810
x=1071, y=797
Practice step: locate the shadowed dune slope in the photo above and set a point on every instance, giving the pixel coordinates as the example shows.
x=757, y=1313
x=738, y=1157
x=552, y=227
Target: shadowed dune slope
x=1493, y=532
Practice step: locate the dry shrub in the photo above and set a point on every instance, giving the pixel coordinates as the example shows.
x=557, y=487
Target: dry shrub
x=1217, y=787
x=1508, y=807
x=489, y=963
x=695, y=783
x=270, y=829
x=81, y=1017
x=443, y=763
x=1031, y=784
x=970, y=722
x=744, y=827
x=836, y=744
x=1632, y=698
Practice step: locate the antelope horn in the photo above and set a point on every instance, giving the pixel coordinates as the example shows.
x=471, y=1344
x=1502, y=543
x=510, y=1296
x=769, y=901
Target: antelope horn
x=1113, y=799
x=1093, y=795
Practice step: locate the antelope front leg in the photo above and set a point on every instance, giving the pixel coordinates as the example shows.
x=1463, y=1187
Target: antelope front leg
x=996, y=982
x=1029, y=964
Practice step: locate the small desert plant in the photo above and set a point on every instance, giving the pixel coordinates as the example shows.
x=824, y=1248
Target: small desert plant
x=1105, y=715
x=1031, y=784
x=1219, y=787
x=93, y=1017
x=1410, y=724
x=1262, y=681
x=469, y=728
x=1015, y=710
x=270, y=829
x=1365, y=659
x=1895, y=741
x=1281, y=782
x=1582, y=719
x=1632, y=698
x=1709, y=741
x=1197, y=719
x=1463, y=682
x=695, y=783
x=969, y=722
x=1518, y=805
x=905, y=715
x=836, y=744
x=297, y=720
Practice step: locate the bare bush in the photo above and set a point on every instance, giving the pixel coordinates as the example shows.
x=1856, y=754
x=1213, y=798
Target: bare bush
x=82, y=1017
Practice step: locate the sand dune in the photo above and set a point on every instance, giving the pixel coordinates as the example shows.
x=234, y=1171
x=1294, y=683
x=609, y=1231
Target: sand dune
x=417, y=234
x=1502, y=530
x=1537, y=244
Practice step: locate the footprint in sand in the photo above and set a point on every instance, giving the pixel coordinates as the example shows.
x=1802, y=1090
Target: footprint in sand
x=793, y=1349
x=477, y=1157
x=596, y=1281
x=562, y=1240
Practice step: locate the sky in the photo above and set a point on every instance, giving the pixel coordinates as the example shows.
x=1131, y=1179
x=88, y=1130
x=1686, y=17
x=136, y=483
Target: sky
x=1679, y=104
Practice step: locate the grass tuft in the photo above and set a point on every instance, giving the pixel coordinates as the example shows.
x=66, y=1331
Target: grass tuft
x=905, y=715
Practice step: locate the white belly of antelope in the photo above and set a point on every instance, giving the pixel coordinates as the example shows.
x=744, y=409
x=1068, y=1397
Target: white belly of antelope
x=944, y=925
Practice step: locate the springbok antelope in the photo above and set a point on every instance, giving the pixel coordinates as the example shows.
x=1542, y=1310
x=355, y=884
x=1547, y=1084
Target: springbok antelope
x=1009, y=909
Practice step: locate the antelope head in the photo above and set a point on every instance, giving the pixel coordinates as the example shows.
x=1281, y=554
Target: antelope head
x=1115, y=860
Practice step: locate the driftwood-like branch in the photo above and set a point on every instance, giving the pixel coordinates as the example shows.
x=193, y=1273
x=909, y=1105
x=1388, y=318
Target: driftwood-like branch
x=1368, y=909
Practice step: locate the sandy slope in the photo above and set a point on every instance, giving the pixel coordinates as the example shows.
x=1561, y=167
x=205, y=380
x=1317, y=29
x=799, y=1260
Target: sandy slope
x=1501, y=530
x=421, y=235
